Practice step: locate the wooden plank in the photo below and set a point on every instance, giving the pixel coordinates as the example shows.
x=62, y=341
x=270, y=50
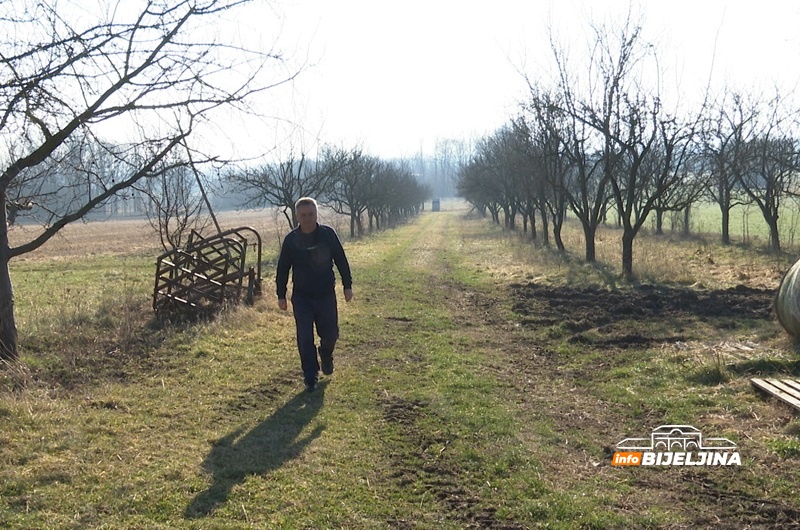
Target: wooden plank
x=792, y=383
x=768, y=387
x=784, y=388
x=790, y=386
x=777, y=389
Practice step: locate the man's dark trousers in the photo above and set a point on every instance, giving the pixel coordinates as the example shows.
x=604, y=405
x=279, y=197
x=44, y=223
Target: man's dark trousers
x=309, y=311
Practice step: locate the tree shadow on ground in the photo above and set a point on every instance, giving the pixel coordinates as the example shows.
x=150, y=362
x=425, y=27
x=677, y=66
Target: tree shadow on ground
x=265, y=448
x=766, y=367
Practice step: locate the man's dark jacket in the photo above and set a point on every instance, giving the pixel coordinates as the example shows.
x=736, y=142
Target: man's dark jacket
x=311, y=258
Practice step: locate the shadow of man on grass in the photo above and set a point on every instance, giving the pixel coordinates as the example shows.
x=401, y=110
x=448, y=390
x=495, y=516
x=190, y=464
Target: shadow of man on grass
x=265, y=448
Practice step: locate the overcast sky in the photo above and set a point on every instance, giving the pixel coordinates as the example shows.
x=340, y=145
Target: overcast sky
x=395, y=76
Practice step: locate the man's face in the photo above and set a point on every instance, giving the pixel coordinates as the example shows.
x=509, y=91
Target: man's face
x=307, y=217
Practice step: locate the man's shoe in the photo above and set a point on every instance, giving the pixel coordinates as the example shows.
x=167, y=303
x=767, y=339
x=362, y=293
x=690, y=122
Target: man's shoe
x=311, y=385
x=327, y=365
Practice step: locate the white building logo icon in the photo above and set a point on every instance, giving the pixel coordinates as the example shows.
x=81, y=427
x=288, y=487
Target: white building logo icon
x=677, y=445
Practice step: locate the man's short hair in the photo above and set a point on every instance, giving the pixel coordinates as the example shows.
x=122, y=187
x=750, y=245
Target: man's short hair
x=305, y=201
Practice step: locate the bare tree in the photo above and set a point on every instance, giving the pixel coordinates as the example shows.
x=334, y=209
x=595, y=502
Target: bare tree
x=624, y=117
x=586, y=181
x=773, y=157
x=622, y=146
x=727, y=129
x=397, y=194
x=476, y=184
x=546, y=134
x=688, y=180
x=501, y=158
x=353, y=186
x=155, y=71
x=643, y=148
x=176, y=204
x=279, y=184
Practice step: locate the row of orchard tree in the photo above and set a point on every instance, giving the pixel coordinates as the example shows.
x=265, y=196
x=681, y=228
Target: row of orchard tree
x=176, y=195
x=353, y=183
x=603, y=141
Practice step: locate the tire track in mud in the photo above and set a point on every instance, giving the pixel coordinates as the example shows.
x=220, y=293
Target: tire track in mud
x=419, y=463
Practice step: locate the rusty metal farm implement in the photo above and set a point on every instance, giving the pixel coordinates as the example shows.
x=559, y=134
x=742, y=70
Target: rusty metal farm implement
x=208, y=273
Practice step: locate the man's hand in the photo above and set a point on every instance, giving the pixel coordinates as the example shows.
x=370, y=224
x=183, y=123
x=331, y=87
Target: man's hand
x=282, y=304
x=348, y=295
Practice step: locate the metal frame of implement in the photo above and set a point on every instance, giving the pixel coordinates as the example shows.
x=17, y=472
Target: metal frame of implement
x=207, y=273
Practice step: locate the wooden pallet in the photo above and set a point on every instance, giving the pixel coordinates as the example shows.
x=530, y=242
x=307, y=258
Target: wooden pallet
x=787, y=390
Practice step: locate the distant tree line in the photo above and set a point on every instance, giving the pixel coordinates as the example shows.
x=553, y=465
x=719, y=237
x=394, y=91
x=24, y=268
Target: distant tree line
x=355, y=184
x=605, y=147
x=371, y=192
x=439, y=168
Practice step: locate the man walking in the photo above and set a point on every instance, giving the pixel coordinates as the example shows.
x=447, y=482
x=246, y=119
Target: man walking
x=310, y=251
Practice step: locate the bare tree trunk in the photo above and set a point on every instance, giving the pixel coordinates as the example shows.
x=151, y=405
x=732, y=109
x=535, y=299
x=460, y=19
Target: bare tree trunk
x=687, y=217
x=774, y=236
x=8, y=325
x=726, y=226
x=545, y=228
x=558, y=224
x=557, y=236
x=588, y=236
x=659, y=221
x=627, y=252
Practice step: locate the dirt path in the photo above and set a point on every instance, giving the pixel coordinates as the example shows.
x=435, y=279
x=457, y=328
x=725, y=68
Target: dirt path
x=414, y=278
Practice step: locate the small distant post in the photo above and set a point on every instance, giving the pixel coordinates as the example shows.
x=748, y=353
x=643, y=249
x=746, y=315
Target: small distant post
x=435, y=206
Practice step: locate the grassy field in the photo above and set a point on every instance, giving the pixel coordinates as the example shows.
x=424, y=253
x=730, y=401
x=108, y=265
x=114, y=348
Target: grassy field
x=481, y=382
x=747, y=223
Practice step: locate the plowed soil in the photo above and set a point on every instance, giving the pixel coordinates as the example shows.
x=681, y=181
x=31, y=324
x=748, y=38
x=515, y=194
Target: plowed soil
x=611, y=313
